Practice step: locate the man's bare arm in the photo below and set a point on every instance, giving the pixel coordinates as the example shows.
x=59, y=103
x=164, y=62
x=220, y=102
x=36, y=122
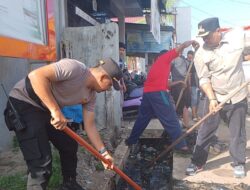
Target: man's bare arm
x=90, y=128
x=41, y=79
x=94, y=137
x=207, y=88
x=186, y=44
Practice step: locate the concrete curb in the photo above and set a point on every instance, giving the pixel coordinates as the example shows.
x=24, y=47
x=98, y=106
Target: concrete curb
x=110, y=178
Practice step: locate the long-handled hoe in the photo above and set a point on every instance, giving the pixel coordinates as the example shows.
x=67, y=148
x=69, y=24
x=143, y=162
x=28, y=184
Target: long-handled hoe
x=233, y=93
x=93, y=151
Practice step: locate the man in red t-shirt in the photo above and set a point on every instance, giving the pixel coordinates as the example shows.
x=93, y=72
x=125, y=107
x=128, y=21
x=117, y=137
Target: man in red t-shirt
x=156, y=100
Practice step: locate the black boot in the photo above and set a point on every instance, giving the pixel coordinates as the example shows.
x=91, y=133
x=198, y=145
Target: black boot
x=70, y=184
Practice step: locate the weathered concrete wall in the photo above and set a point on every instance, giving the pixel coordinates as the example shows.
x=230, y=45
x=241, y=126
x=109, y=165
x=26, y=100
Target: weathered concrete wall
x=11, y=71
x=88, y=45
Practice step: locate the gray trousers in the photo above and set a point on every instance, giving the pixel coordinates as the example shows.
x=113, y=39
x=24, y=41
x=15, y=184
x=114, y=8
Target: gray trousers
x=235, y=116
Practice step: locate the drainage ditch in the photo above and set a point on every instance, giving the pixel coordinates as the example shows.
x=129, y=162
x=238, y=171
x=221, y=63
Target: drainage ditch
x=157, y=177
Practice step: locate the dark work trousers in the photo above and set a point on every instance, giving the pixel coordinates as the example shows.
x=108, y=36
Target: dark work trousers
x=235, y=116
x=34, y=142
x=156, y=104
x=185, y=100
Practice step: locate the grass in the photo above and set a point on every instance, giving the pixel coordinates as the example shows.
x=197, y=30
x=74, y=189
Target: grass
x=82, y=150
x=18, y=181
x=15, y=144
x=99, y=166
x=56, y=178
x=14, y=182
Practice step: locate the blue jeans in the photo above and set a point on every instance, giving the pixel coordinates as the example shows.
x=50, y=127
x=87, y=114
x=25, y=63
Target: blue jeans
x=157, y=104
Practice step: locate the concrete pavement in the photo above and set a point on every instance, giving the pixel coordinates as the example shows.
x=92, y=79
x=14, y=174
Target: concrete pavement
x=218, y=168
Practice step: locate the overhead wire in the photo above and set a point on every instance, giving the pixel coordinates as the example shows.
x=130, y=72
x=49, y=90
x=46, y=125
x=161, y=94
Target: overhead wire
x=232, y=23
x=239, y=2
x=207, y=13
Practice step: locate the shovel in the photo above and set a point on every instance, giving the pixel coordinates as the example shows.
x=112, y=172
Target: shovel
x=93, y=151
x=198, y=123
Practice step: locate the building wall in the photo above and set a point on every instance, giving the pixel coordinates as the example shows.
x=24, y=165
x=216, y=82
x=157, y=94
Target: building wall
x=14, y=69
x=183, y=26
x=89, y=45
x=11, y=71
x=246, y=67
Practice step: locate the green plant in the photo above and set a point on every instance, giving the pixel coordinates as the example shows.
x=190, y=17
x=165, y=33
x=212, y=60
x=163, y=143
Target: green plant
x=13, y=182
x=82, y=150
x=99, y=166
x=15, y=144
x=55, y=179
